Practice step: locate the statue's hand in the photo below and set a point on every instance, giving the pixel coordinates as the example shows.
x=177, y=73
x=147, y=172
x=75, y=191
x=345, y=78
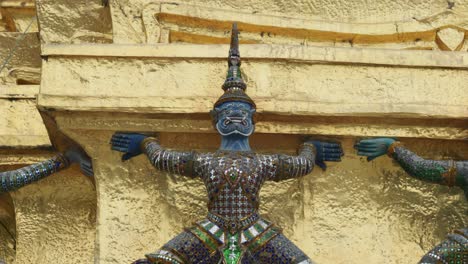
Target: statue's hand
x=77, y=155
x=373, y=148
x=326, y=151
x=129, y=143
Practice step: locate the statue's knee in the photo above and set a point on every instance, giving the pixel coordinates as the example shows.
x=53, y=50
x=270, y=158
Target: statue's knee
x=163, y=257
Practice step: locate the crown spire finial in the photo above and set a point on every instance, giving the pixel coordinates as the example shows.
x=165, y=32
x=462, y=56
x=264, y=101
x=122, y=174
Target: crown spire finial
x=234, y=86
x=234, y=54
x=234, y=77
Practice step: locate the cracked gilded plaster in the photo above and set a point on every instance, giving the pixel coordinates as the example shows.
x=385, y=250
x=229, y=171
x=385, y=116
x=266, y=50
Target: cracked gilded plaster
x=25, y=63
x=74, y=21
x=194, y=22
x=56, y=219
x=160, y=85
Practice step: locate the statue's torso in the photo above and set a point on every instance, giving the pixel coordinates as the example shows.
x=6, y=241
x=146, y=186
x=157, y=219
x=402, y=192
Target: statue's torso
x=233, y=181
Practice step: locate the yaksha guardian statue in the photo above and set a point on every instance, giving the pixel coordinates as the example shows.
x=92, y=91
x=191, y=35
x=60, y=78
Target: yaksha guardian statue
x=445, y=172
x=233, y=232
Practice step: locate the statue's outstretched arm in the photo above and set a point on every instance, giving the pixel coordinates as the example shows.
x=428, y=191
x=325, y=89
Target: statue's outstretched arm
x=310, y=153
x=13, y=180
x=133, y=144
x=445, y=172
x=177, y=162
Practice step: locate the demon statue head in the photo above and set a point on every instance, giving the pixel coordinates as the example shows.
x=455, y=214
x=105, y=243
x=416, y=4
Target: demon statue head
x=233, y=112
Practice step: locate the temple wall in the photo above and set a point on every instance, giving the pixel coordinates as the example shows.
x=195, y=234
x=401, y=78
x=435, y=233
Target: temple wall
x=53, y=220
x=337, y=70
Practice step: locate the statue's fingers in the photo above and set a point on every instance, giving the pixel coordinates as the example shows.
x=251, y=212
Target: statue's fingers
x=121, y=149
x=120, y=139
x=333, y=150
x=370, y=158
x=115, y=138
x=88, y=172
x=86, y=162
x=321, y=164
x=127, y=156
x=331, y=145
x=331, y=157
x=367, y=142
x=335, y=146
x=87, y=169
x=365, y=153
x=334, y=159
x=122, y=142
x=117, y=135
x=119, y=145
x=120, y=136
x=367, y=149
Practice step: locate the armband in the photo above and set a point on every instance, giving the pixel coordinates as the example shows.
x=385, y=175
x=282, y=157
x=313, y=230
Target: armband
x=391, y=148
x=449, y=176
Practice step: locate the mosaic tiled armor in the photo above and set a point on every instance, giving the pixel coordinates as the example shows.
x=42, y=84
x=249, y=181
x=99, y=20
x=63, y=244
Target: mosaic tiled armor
x=445, y=172
x=453, y=250
x=13, y=180
x=233, y=230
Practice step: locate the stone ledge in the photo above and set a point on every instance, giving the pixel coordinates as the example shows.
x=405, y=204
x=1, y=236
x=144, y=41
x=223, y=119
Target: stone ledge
x=338, y=126
x=176, y=105
x=19, y=91
x=304, y=54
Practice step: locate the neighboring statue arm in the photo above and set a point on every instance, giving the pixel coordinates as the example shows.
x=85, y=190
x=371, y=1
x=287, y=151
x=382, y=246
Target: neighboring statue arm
x=177, y=162
x=443, y=172
x=13, y=180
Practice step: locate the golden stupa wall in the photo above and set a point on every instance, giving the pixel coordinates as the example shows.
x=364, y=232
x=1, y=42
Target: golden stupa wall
x=339, y=70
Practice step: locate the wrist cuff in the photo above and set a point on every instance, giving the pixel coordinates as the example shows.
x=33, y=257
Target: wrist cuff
x=145, y=142
x=311, y=146
x=62, y=161
x=451, y=173
x=391, y=148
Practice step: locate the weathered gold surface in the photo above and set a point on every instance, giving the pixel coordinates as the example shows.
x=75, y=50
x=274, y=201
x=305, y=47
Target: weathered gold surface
x=55, y=219
x=356, y=212
x=74, y=21
x=23, y=125
x=191, y=85
x=132, y=23
x=7, y=228
x=336, y=68
x=25, y=63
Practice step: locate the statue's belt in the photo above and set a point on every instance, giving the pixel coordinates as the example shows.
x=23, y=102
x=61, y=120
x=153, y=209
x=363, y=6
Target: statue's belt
x=252, y=232
x=233, y=226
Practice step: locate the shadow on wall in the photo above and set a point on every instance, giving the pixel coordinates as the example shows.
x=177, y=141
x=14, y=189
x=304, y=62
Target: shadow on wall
x=7, y=229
